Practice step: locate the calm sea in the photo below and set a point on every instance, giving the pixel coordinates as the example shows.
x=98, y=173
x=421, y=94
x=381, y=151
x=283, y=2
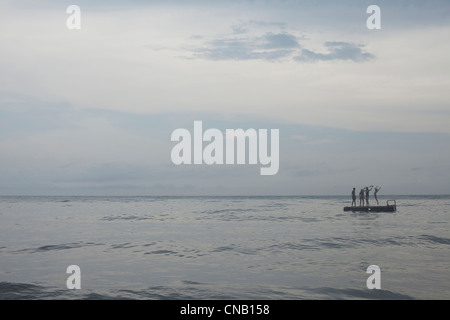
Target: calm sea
x=222, y=248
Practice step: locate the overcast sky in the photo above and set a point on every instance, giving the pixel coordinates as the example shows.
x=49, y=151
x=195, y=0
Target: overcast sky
x=91, y=111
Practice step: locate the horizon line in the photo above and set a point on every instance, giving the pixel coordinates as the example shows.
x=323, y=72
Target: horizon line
x=224, y=196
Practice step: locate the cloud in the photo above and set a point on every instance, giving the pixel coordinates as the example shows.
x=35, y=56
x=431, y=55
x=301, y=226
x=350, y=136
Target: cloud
x=132, y=60
x=257, y=40
x=280, y=41
x=269, y=46
x=344, y=51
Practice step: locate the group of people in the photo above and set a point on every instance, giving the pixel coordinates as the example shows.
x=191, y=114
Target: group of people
x=364, y=193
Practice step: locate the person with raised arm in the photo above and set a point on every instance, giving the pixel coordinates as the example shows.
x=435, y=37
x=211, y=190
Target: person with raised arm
x=375, y=191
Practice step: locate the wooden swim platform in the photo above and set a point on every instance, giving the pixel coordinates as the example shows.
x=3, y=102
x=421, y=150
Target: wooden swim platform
x=391, y=206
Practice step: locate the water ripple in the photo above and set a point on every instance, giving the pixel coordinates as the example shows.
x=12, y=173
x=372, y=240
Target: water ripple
x=52, y=247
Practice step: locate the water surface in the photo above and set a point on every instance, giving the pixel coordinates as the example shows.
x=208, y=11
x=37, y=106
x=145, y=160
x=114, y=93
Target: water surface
x=222, y=248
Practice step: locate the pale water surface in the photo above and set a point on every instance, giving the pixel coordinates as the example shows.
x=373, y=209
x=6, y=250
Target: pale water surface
x=222, y=248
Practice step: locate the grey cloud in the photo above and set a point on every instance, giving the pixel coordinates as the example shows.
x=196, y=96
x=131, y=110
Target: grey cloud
x=344, y=51
x=274, y=46
x=270, y=46
x=226, y=49
x=246, y=43
x=280, y=41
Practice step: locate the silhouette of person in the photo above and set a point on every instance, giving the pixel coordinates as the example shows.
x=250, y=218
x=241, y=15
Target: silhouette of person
x=361, y=198
x=353, y=197
x=367, y=190
x=375, y=191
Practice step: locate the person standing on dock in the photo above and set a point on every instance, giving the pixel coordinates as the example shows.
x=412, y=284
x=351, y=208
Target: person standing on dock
x=367, y=190
x=353, y=197
x=361, y=198
x=375, y=191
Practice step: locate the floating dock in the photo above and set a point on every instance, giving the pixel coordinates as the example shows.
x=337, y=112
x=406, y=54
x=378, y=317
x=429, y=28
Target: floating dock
x=391, y=206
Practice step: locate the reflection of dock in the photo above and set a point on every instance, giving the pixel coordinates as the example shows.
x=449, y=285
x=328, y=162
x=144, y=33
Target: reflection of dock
x=390, y=206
